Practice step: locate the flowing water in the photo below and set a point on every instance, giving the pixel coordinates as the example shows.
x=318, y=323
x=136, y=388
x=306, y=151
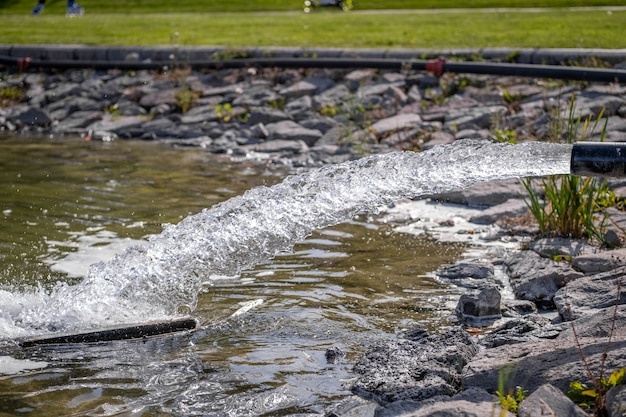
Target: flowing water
x=312, y=272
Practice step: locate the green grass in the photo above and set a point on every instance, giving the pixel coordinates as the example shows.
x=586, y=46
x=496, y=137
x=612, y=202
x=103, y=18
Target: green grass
x=213, y=6
x=238, y=23
x=552, y=29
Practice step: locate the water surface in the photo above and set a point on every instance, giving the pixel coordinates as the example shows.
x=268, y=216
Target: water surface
x=67, y=204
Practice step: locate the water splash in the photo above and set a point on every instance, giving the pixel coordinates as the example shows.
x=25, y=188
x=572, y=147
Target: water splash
x=154, y=280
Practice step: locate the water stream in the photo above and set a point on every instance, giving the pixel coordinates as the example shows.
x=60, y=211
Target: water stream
x=215, y=252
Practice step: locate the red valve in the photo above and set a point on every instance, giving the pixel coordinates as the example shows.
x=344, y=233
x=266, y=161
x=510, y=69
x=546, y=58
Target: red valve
x=23, y=63
x=436, y=66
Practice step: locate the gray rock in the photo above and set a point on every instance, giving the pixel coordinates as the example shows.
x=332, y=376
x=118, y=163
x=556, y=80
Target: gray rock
x=510, y=208
x=117, y=125
x=331, y=97
x=485, y=194
x=531, y=327
x=585, y=295
x=600, y=324
x=31, y=117
x=616, y=401
x=483, y=306
x=559, y=247
x=473, y=118
x=392, y=124
x=414, y=370
x=547, y=400
x=77, y=121
x=266, y=116
x=604, y=261
x=307, y=87
x=461, y=270
x=62, y=91
x=160, y=97
x=532, y=364
x=538, y=279
x=353, y=406
x=300, y=105
x=437, y=138
x=279, y=146
x=293, y=131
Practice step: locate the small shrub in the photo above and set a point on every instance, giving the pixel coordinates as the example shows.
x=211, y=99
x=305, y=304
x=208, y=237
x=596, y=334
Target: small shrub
x=224, y=112
x=186, y=99
x=10, y=96
x=586, y=397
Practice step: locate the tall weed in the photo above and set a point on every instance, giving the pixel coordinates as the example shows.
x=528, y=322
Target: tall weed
x=568, y=205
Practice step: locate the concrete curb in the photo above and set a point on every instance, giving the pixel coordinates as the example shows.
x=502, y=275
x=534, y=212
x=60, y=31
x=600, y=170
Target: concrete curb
x=178, y=55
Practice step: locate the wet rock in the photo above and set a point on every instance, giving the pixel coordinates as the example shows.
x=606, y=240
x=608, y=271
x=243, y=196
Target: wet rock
x=479, y=308
x=529, y=328
x=334, y=355
x=538, y=279
x=548, y=400
x=31, y=117
x=414, y=370
x=516, y=308
x=473, y=402
x=353, y=406
x=461, y=270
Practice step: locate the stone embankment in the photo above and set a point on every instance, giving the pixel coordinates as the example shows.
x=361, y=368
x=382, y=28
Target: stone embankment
x=540, y=303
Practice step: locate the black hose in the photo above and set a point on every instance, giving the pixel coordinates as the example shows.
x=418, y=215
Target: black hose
x=598, y=159
x=436, y=66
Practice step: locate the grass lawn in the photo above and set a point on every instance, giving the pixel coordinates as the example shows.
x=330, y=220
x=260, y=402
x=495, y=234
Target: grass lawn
x=194, y=22
x=213, y=6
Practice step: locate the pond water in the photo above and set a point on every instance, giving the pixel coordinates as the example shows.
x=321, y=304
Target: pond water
x=68, y=204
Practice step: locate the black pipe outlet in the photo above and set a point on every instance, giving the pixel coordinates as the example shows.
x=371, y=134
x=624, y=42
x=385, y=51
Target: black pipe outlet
x=598, y=159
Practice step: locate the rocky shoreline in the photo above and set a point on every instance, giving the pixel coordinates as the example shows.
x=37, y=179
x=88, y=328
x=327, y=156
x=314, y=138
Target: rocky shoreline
x=311, y=117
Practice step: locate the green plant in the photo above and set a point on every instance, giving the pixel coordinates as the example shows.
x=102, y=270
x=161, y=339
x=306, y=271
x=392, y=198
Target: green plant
x=278, y=104
x=595, y=397
x=568, y=205
x=328, y=110
x=10, y=95
x=587, y=397
x=505, y=136
x=186, y=98
x=224, y=112
x=509, y=398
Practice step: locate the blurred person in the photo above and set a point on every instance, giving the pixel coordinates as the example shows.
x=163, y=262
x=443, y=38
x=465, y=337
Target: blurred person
x=73, y=9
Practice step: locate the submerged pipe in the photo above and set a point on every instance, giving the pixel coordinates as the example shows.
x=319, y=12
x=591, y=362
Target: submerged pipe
x=598, y=159
x=435, y=66
x=128, y=332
